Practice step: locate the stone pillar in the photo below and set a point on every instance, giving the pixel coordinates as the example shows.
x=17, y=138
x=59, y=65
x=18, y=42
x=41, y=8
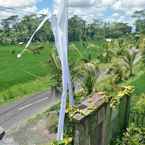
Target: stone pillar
x=96, y=123
x=90, y=128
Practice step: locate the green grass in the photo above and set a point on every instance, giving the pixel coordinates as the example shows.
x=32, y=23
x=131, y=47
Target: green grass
x=32, y=73
x=24, y=76
x=139, y=83
x=14, y=71
x=30, y=67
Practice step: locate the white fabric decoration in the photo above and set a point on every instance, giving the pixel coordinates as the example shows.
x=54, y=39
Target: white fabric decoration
x=59, y=21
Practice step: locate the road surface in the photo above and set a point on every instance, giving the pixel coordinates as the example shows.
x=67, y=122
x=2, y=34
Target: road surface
x=14, y=113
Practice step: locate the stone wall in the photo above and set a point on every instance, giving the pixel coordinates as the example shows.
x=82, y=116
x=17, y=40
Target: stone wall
x=100, y=123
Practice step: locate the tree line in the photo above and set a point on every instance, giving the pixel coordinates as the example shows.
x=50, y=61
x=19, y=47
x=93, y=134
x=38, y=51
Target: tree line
x=14, y=29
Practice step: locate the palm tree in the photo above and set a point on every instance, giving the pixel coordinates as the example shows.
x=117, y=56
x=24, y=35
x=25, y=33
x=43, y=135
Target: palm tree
x=87, y=74
x=130, y=59
x=56, y=73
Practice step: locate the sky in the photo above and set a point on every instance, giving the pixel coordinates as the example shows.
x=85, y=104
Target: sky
x=108, y=10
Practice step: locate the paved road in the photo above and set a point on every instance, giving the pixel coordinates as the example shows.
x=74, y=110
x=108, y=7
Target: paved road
x=14, y=113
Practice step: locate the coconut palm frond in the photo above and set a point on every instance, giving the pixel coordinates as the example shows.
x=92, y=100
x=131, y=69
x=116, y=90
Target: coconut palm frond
x=130, y=58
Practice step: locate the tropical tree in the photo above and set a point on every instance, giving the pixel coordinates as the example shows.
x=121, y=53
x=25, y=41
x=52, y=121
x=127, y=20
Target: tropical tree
x=130, y=58
x=140, y=21
x=76, y=28
x=86, y=76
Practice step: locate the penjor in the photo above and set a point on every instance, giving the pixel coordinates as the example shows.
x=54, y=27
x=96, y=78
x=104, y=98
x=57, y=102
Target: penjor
x=59, y=21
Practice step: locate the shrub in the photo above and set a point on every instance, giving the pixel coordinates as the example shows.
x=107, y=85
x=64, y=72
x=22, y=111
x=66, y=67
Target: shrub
x=133, y=136
x=139, y=107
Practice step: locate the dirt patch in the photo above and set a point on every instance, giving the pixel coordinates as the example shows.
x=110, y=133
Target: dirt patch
x=38, y=131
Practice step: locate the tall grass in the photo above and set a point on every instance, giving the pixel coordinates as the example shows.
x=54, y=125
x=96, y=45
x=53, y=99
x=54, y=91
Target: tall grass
x=24, y=89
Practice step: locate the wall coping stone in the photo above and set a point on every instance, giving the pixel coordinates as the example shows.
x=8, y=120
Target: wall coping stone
x=89, y=106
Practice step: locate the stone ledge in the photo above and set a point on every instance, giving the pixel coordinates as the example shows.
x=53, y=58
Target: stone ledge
x=89, y=106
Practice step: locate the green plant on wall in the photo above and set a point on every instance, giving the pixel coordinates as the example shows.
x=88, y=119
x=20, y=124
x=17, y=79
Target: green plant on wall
x=65, y=141
x=73, y=111
x=115, y=100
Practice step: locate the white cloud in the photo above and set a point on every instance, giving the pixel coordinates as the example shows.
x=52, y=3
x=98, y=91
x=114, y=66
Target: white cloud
x=87, y=13
x=108, y=2
x=122, y=10
x=17, y=7
x=115, y=15
x=17, y=3
x=129, y=6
